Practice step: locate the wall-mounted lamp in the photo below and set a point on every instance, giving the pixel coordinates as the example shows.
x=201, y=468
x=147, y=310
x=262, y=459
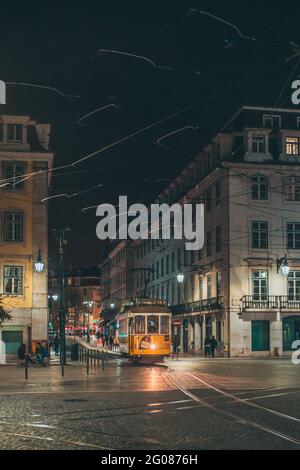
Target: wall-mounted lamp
x=39, y=264
x=180, y=278
x=281, y=263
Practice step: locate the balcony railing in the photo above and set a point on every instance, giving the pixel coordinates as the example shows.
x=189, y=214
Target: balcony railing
x=259, y=302
x=290, y=301
x=268, y=302
x=213, y=303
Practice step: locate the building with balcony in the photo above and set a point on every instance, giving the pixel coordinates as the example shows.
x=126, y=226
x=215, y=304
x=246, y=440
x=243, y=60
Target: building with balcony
x=82, y=297
x=117, y=277
x=25, y=161
x=248, y=177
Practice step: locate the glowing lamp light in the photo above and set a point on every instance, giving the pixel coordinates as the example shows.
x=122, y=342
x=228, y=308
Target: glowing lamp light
x=285, y=269
x=180, y=278
x=55, y=297
x=282, y=264
x=39, y=264
x=153, y=346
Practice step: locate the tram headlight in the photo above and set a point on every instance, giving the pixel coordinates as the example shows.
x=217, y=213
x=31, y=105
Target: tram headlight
x=153, y=346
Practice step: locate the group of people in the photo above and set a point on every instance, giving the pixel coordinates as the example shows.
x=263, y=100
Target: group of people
x=40, y=356
x=211, y=345
x=105, y=340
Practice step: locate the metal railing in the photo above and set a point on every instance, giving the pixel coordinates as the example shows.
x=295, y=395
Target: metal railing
x=259, y=302
x=93, y=357
x=289, y=301
x=268, y=302
x=213, y=303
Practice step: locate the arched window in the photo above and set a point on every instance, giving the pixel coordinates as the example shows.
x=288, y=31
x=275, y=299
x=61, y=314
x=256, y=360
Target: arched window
x=259, y=187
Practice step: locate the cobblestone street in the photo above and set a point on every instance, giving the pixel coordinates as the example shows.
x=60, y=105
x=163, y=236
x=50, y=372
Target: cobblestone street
x=191, y=404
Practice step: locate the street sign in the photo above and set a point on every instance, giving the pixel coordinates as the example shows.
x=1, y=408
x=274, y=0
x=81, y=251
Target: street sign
x=176, y=322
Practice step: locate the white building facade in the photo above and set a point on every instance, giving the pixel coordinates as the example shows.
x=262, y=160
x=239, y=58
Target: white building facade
x=248, y=177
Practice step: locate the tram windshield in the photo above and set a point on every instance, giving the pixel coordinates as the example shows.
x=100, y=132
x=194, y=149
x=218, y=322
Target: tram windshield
x=164, y=325
x=153, y=324
x=140, y=324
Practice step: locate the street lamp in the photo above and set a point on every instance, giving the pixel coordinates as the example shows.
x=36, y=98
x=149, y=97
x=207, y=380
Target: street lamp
x=39, y=264
x=282, y=264
x=112, y=305
x=180, y=278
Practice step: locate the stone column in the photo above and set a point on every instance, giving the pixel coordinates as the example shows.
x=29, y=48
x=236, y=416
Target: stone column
x=197, y=334
x=276, y=336
x=40, y=242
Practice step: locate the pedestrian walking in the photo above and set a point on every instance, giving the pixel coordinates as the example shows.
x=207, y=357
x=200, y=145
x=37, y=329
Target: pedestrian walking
x=56, y=344
x=207, y=347
x=213, y=345
x=175, y=347
x=111, y=342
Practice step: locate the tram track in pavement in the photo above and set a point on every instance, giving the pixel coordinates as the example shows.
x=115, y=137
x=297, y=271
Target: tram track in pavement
x=181, y=381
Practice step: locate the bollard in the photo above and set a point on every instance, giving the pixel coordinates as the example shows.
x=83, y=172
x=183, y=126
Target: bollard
x=98, y=358
x=26, y=371
x=95, y=358
x=62, y=370
x=87, y=364
x=102, y=360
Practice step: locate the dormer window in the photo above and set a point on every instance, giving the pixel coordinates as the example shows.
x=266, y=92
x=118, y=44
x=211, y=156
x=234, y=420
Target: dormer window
x=272, y=121
x=258, y=143
x=14, y=133
x=292, y=145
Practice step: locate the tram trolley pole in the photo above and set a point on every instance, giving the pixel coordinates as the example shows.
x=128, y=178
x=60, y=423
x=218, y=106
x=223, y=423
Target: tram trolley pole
x=26, y=370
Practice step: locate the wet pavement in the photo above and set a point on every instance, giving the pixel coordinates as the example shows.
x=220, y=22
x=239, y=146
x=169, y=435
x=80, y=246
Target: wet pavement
x=185, y=404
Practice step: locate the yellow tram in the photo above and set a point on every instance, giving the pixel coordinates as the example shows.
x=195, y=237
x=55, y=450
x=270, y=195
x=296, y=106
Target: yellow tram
x=144, y=330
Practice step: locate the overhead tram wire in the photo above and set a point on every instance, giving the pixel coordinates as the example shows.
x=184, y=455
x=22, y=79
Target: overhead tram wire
x=147, y=127
x=160, y=121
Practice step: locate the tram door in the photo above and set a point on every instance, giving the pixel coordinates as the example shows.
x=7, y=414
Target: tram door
x=130, y=335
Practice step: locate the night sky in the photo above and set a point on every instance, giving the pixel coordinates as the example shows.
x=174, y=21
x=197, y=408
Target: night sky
x=212, y=67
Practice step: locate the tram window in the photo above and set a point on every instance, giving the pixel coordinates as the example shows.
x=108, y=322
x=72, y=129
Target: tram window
x=164, y=325
x=152, y=324
x=123, y=327
x=140, y=324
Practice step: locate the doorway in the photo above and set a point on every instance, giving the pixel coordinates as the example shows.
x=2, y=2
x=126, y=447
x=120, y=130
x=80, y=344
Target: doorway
x=290, y=331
